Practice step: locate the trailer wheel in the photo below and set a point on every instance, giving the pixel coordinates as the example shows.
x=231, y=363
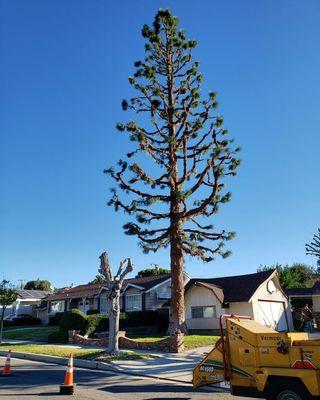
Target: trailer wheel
x=289, y=390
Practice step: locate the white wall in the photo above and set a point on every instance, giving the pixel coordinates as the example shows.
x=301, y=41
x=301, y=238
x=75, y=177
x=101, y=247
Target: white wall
x=200, y=296
x=316, y=303
x=262, y=293
x=241, y=308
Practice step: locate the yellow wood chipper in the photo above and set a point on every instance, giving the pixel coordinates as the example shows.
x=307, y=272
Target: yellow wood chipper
x=260, y=362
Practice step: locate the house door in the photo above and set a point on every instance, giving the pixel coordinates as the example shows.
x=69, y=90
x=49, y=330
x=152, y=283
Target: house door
x=84, y=306
x=273, y=315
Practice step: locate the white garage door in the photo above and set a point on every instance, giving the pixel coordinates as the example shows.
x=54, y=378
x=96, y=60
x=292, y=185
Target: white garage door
x=272, y=314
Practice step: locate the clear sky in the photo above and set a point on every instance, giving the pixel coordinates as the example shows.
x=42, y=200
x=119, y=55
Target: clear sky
x=63, y=73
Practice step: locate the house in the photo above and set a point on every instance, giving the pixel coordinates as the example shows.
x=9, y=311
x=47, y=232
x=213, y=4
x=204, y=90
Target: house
x=26, y=301
x=258, y=295
x=298, y=297
x=137, y=294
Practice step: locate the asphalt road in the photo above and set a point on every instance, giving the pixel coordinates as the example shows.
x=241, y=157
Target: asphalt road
x=34, y=380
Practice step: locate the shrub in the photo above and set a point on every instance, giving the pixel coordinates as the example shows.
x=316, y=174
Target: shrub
x=140, y=318
x=162, y=320
x=7, y=323
x=26, y=321
x=90, y=312
x=158, y=319
x=74, y=319
x=97, y=323
x=55, y=319
x=58, y=337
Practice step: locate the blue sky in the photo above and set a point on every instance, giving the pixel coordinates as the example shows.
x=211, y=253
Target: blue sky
x=63, y=73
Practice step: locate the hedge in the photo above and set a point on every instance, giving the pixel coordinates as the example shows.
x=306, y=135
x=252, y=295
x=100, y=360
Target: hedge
x=74, y=320
x=55, y=319
x=95, y=311
x=90, y=324
x=26, y=321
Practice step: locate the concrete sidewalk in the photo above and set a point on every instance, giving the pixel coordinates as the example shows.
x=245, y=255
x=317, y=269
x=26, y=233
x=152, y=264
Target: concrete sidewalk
x=164, y=366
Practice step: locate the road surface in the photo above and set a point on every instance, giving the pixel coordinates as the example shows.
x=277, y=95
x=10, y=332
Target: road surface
x=34, y=380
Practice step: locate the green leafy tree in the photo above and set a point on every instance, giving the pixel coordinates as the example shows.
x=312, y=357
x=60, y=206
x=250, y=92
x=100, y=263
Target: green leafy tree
x=38, y=285
x=296, y=276
x=191, y=154
x=7, y=297
x=313, y=248
x=155, y=271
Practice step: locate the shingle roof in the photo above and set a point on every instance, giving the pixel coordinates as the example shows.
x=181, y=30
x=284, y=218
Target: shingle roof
x=32, y=294
x=147, y=282
x=93, y=289
x=235, y=288
x=299, y=291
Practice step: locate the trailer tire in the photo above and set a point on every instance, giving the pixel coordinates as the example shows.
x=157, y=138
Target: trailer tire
x=287, y=390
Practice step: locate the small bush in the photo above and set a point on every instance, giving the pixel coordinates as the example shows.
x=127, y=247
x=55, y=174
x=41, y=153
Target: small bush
x=55, y=319
x=74, y=320
x=26, y=321
x=58, y=337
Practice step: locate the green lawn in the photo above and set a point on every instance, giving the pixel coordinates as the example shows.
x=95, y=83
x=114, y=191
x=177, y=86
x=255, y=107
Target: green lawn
x=64, y=351
x=34, y=333
x=190, y=341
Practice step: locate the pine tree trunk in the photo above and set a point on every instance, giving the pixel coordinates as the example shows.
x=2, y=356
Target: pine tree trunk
x=177, y=317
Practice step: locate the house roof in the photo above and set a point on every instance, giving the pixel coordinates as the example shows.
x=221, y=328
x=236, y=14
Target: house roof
x=235, y=288
x=147, y=282
x=32, y=294
x=300, y=292
x=93, y=289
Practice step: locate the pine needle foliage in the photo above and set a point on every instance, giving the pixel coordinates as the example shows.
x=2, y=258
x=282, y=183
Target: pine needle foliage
x=313, y=248
x=187, y=142
x=192, y=154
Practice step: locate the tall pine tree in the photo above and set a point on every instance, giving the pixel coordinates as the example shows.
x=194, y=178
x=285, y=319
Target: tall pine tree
x=191, y=156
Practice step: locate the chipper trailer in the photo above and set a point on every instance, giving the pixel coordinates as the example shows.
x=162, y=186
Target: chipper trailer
x=260, y=362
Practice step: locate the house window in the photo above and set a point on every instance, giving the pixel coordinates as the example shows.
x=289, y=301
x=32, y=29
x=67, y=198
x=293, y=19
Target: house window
x=204, y=312
x=103, y=305
x=133, y=302
x=57, y=306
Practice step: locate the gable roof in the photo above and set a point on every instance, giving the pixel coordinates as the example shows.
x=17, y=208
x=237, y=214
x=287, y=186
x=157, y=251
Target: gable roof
x=31, y=294
x=147, y=282
x=235, y=288
x=93, y=289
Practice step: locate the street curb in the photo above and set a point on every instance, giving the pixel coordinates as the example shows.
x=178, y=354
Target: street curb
x=97, y=365
x=61, y=360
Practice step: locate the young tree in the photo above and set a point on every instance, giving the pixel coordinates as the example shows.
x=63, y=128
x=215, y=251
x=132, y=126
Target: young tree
x=7, y=297
x=193, y=152
x=313, y=248
x=113, y=285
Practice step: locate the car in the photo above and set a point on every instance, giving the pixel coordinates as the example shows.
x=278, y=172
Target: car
x=12, y=317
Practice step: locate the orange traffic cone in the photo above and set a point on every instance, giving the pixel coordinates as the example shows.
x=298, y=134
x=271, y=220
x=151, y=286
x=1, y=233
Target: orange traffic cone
x=7, y=365
x=68, y=387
